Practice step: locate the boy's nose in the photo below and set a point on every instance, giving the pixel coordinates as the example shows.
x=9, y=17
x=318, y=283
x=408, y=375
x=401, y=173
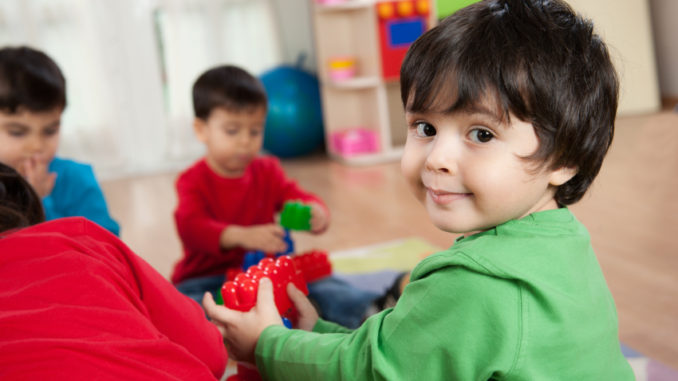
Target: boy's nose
x=35, y=145
x=442, y=158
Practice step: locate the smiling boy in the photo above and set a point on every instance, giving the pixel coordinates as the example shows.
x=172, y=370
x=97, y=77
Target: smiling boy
x=510, y=106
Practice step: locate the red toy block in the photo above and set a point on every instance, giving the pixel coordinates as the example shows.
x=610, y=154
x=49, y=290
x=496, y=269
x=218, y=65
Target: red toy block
x=313, y=265
x=241, y=293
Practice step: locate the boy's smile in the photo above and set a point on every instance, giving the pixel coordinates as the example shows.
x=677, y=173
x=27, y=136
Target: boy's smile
x=468, y=169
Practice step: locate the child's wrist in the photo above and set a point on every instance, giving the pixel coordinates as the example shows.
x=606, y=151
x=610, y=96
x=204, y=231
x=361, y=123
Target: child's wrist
x=230, y=236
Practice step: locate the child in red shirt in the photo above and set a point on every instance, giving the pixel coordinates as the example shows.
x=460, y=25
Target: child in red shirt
x=228, y=200
x=78, y=304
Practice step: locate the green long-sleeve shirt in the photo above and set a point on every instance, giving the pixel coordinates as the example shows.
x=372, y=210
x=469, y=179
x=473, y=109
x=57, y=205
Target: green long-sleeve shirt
x=523, y=301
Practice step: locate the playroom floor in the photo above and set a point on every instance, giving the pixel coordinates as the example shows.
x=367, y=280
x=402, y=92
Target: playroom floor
x=631, y=212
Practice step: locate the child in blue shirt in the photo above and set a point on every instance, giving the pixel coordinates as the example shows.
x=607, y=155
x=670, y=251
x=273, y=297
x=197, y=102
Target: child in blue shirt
x=32, y=99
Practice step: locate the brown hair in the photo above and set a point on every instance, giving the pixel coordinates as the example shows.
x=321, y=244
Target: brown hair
x=30, y=79
x=228, y=87
x=20, y=206
x=542, y=62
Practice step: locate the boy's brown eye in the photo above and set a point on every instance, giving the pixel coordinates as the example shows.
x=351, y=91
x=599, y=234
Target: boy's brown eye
x=425, y=129
x=481, y=136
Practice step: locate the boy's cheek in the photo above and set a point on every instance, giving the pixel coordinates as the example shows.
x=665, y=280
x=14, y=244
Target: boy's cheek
x=411, y=168
x=11, y=158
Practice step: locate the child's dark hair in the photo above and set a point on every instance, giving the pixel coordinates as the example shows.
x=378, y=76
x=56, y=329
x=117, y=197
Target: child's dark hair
x=540, y=62
x=20, y=206
x=30, y=79
x=228, y=87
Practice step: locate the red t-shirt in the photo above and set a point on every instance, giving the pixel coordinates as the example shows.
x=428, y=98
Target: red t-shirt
x=208, y=203
x=77, y=304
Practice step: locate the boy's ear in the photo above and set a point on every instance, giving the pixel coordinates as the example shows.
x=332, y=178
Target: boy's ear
x=562, y=175
x=200, y=127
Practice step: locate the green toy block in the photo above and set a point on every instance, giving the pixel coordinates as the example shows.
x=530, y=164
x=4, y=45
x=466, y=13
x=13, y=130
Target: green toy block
x=218, y=299
x=296, y=216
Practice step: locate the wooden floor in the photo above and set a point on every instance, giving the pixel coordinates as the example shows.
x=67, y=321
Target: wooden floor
x=631, y=212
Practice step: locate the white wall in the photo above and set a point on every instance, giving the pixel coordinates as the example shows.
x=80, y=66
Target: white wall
x=294, y=22
x=665, y=28
x=625, y=26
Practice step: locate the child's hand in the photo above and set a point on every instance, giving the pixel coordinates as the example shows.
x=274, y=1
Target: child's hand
x=268, y=238
x=35, y=171
x=241, y=330
x=308, y=316
x=320, y=218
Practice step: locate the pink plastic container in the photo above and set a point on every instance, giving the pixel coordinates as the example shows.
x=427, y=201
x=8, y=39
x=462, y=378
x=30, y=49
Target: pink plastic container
x=354, y=141
x=341, y=68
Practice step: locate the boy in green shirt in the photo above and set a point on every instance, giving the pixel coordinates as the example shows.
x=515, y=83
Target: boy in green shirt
x=510, y=106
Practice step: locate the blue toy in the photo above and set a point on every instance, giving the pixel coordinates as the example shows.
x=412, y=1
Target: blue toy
x=294, y=125
x=252, y=258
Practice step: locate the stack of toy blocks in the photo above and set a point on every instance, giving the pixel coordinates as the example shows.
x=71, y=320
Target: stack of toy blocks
x=241, y=294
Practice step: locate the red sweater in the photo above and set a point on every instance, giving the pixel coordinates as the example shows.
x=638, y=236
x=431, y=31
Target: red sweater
x=208, y=203
x=77, y=304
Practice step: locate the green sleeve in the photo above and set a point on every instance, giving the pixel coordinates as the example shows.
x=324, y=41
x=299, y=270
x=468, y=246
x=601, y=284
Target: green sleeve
x=324, y=326
x=452, y=324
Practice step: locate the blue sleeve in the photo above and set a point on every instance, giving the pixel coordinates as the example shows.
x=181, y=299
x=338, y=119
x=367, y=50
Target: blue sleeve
x=77, y=193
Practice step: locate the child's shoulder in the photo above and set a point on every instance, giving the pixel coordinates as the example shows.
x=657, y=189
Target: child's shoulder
x=516, y=247
x=266, y=161
x=198, y=169
x=61, y=165
x=72, y=176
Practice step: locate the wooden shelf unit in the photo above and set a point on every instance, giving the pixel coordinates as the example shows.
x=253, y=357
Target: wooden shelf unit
x=350, y=28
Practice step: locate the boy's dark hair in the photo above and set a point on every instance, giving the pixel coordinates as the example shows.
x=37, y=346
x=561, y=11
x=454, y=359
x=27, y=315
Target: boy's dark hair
x=20, y=206
x=540, y=62
x=228, y=87
x=30, y=79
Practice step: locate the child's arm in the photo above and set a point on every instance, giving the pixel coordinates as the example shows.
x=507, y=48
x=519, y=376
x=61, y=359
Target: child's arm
x=268, y=238
x=451, y=324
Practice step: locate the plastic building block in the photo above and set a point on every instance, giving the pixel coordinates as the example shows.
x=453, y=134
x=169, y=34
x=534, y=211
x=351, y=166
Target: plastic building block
x=296, y=216
x=290, y=244
x=313, y=265
x=241, y=293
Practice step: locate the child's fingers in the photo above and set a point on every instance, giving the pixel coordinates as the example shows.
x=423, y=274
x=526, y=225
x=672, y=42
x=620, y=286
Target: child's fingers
x=319, y=220
x=308, y=316
x=298, y=298
x=277, y=230
x=265, y=299
x=216, y=312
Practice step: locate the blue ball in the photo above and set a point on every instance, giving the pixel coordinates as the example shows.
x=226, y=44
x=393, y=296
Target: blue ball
x=294, y=124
